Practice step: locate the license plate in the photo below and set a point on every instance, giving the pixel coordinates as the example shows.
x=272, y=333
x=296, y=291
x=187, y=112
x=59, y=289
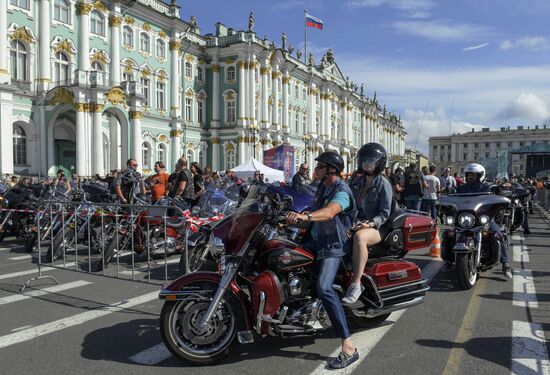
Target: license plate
x=397, y=275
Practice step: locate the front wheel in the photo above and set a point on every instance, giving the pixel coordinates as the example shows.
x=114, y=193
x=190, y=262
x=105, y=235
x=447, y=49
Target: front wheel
x=182, y=335
x=196, y=261
x=59, y=245
x=466, y=269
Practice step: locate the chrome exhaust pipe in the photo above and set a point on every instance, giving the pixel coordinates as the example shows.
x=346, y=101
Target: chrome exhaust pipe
x=372, y=313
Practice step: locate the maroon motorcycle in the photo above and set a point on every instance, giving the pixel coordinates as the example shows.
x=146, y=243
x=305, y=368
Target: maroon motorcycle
x=265, y=284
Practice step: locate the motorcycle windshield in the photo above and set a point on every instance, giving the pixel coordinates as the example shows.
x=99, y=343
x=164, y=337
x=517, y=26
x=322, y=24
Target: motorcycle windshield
x=301, y=201
x=481, y=204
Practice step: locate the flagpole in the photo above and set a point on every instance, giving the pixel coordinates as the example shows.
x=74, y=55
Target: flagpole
x=305, y=36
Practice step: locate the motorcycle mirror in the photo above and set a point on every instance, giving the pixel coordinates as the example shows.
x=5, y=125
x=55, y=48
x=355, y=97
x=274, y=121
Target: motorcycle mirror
x=288, y=201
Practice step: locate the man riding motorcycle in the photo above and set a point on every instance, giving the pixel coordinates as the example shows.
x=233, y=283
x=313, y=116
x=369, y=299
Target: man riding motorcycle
x=516, y=184
x=475, y=174
x=333, y=213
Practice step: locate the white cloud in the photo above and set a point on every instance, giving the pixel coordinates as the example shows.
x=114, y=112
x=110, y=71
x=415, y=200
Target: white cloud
x=291, y=4
x=478, y=95
x=440, y=30
x=533, y=43
x=473, y=48
x=411, y=8
x=526, y=106
x=421, y=125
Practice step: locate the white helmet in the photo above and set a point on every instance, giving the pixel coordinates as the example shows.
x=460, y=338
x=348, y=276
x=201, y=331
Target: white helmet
x=477, y=169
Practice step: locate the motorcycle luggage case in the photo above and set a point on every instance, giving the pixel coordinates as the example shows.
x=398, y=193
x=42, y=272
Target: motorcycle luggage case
x=388, y=273
x=418, y=232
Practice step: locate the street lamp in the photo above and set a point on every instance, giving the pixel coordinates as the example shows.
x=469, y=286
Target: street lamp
x=252, y=131
x=305, y=138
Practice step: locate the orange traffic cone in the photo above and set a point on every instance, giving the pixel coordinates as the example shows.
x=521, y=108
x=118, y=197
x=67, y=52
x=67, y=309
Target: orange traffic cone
x=435, y=248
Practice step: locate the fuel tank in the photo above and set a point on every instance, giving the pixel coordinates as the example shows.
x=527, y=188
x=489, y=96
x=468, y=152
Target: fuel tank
x=284, y=255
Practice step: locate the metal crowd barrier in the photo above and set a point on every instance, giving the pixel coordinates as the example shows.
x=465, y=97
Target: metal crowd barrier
x=145, y=239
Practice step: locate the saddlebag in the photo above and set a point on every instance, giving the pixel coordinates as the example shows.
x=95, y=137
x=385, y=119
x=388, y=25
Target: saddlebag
x=418, y=232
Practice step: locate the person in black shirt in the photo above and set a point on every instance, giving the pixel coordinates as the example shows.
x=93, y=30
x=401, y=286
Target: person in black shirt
x=198, y=181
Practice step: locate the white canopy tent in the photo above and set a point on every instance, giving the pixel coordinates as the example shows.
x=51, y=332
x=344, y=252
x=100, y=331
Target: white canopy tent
x=247, y=169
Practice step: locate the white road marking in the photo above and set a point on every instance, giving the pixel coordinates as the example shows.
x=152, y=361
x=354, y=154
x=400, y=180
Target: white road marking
x=34, y=270
x=21, y=257
x=73, y=320
x=20, y=328
x=143, y=269
x=41, y=292
x=529, y=355
x=525, y=294
x=521, y=255
x=152, y=356
x=365, y=341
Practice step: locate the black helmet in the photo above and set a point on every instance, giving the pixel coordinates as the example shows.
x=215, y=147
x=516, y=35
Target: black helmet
x=372, y=155
x=331, y=158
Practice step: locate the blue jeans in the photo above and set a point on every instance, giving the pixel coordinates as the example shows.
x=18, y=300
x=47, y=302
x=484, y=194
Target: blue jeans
x=494, y=227
x=328, y=268
x=413, y=204
x=428, y=205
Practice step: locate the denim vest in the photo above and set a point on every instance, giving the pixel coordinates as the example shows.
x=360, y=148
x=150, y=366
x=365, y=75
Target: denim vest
x=331, y=234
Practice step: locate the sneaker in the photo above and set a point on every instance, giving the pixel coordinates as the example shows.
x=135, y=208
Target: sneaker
x=353, y=293
x=526, y=231
x=506, y=270
x=343, y=360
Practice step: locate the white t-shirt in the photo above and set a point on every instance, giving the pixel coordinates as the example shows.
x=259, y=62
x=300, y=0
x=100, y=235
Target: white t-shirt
x=433, y=187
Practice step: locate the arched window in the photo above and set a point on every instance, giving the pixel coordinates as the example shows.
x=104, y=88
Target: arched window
x=146, y=155
x=61, y=68
x=229, y=158
x=21, y=3
x=161, y=153
x=230, y=110
x=161, y=48
x=200, y=76
x=128, y=36
x=230, y=73
x=145, y=43
x=161, y=95
x=61, y=11
x=19, y=61
x=188, y=70
x=190, y=156
x=97, y=66
x=97, y=23
x=19, y=146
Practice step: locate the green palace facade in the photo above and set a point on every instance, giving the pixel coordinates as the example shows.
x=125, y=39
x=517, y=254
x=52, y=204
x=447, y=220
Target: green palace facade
x=84, y=85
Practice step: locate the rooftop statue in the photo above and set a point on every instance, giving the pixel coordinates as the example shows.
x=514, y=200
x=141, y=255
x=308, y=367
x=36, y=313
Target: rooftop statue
x=251, y=22
x=330, y=56
x=290, y=49
x=362, y=89
x=299, y=54
x=311, y=59
x=283, y=41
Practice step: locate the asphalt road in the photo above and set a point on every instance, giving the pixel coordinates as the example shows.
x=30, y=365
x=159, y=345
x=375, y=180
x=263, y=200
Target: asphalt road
x=89, y=323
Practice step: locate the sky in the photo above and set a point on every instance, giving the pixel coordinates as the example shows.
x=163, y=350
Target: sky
x=445, y=66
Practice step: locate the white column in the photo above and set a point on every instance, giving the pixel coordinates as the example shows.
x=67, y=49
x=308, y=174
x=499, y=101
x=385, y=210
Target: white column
x=242, y=149
x=114, y=22
x=215, y=123
x=311, y=113
x=97, y=141
x=327, y=131
x=6, y=132
x=135, y=125
x=84, y=37
x=4, y=77
x=276, y=124
x=81, y=158
x=342, y=129
x=44, y=70
x=114, y=139
x=242, y=94
x=322, y=111
x=264, y=72
x=175, y=143
x=364, y=134
x=252, y=93
x=215, y=152
x=286, y=120
x=175, y=76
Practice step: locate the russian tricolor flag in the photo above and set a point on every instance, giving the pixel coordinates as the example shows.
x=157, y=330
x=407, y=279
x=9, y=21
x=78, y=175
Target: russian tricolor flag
x=314, y=22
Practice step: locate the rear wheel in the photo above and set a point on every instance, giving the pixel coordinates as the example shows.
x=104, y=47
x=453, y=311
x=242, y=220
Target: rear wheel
x=59, y=245
x=29, y=243
x=366, y=323
x=182, y=335
x=466, y=269
x=108, y=254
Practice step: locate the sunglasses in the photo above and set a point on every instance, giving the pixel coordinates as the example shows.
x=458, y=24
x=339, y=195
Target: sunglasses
x=134, y=165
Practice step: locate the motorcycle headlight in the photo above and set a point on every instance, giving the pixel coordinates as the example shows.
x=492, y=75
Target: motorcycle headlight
x=466, y=220
x=484, y=219
x=216, y=244
x=449, y=220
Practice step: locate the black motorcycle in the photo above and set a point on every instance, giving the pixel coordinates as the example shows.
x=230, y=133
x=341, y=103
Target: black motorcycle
x=513, y=216
x=467, y=241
